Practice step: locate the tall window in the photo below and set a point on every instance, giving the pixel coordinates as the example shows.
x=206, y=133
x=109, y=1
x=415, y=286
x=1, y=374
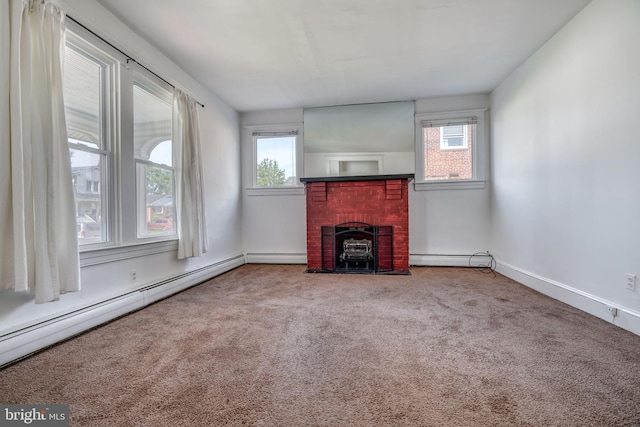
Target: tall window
x=119, y=121
x=88, y=79
x=447, y=150
x=152, y=115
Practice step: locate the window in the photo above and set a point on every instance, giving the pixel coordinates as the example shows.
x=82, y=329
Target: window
x=152, y=115
x=277, y=158
x=448, y=149
x=119, y=122
x=448, y=146
x=88, y=80
x=455, y=137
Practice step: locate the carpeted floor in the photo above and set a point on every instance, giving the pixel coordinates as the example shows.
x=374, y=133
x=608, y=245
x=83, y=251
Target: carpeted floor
x=270, y=345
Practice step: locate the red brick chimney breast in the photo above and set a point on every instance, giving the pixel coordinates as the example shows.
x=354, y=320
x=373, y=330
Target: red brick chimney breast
x=377, y=200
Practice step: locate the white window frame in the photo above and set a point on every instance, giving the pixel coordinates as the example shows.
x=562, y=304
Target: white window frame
x=88, y=45
x=479, y=153
x=275, y=129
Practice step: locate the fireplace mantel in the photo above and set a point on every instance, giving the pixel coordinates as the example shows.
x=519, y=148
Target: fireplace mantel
x=357, y=178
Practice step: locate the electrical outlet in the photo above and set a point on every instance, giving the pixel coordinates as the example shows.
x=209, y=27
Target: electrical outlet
x=631, y=282
x=133, y=276
x=612, y=311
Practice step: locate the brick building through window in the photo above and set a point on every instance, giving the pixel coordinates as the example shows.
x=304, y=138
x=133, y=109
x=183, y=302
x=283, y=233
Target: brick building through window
x=448, y=151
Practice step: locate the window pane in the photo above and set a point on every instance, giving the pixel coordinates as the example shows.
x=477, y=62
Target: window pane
x=82, y=88
x=155, y=208
x=161, y=153
x=85, y=108
x=152, y=124
x=276, y=161
x=86, y=175
x=448, y=157
x=152, y=115
x=453, y=141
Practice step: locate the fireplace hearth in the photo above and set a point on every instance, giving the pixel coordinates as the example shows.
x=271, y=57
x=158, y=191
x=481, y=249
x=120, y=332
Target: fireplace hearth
x=358, y=224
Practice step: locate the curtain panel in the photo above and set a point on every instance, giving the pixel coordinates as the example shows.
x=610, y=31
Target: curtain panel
x=190, y=205
x=37, y=213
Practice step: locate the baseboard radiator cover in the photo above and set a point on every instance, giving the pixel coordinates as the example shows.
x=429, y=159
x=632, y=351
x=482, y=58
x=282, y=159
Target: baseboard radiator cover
x=440, y=260
x=625, y=317
x=276, y=258
x=22, y=343
x=476, y=260
x=414, y=259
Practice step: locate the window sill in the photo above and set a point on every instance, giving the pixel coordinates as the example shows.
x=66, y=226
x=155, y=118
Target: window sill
x=454, y=148
x=275, y=191
x=449, y=185
x=112, y=254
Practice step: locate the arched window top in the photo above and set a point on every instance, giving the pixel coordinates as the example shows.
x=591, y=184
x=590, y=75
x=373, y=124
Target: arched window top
x=161, y=153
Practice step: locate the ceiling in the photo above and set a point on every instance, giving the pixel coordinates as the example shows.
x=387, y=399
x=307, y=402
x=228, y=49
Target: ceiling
x=268, y=54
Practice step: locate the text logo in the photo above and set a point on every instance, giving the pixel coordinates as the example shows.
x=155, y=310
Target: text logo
x=34, y=415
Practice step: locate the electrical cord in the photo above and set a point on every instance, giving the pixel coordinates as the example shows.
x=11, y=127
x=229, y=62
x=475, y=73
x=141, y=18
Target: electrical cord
x=484, y=268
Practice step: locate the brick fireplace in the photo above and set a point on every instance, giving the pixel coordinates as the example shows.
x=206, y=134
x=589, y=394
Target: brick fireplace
x=366, y=212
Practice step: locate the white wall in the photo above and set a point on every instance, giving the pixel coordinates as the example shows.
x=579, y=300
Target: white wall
x=219, y=129
x=445, y=225
x=566, y=163
x=274, y=226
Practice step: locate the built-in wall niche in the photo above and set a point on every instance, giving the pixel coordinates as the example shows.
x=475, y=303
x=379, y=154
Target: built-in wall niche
x=354, y=165
x=364, y=139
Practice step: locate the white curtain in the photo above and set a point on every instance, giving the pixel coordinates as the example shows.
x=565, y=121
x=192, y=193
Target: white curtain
x=37, y=214
x=192, y=231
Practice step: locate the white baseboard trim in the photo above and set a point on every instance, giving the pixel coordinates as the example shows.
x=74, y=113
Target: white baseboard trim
x=448, y=260
x=22, y=343
x=626, y=318
x=275, y=258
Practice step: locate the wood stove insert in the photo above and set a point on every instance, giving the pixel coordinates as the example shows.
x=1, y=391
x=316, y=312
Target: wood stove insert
x=357, y=247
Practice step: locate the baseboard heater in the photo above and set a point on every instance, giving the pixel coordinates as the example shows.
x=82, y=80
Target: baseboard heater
x=24, y=342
